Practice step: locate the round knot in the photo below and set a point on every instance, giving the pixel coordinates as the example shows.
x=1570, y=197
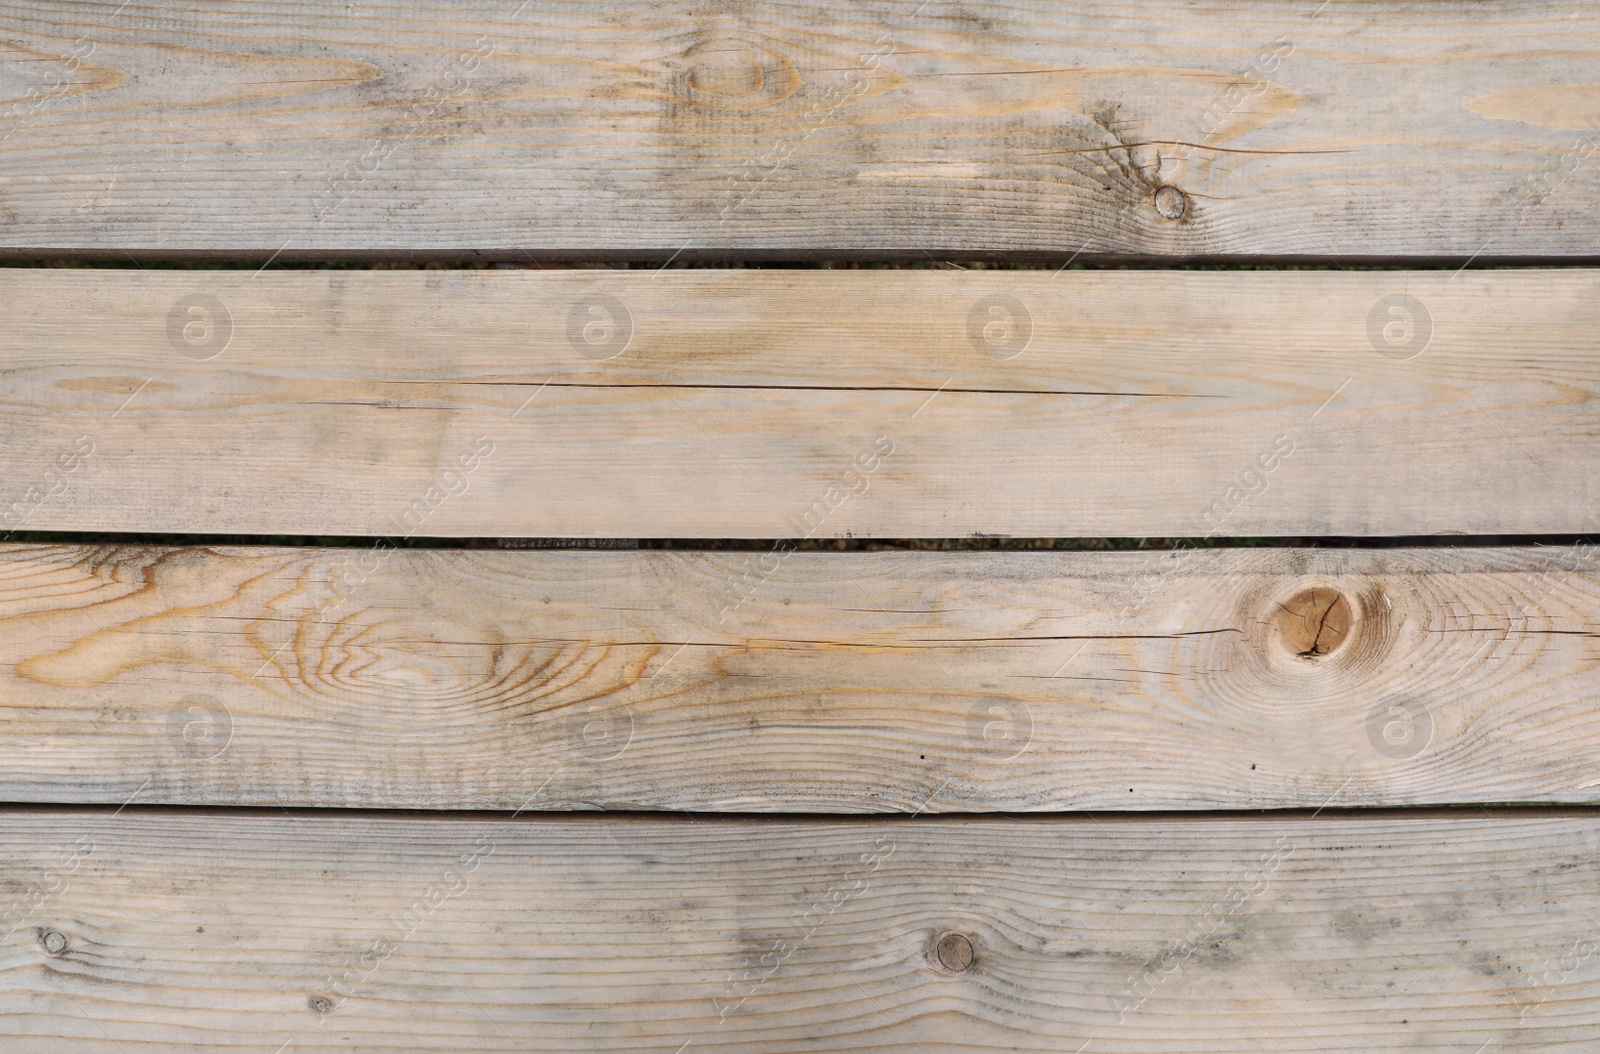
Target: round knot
x=953, y=951
x=1171, y=202
x=1314, y=622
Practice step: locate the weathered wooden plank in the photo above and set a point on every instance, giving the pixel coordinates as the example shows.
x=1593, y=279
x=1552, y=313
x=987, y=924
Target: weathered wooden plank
x=826, y=682
x=505, y=128
x=783, y=404
x=207, y=931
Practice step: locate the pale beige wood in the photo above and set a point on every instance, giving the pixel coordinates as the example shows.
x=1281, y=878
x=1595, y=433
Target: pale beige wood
x=782, y=403
x=213, y=932
x=502, y=128
x=927, y=682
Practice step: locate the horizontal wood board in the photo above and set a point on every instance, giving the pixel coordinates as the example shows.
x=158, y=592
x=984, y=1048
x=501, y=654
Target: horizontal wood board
x=314, y=128
x=786, y=404
x=804, y=682
x=200, y=931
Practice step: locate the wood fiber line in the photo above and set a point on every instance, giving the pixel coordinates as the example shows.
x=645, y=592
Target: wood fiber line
x=1278, y=128
x=784, y=404
x=190, y=932
x=867, y=682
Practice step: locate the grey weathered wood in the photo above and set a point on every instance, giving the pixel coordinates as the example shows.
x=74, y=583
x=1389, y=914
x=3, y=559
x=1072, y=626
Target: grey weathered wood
x=783, y=404
x=1291, y=128
x=820, y=682
x=207, y=931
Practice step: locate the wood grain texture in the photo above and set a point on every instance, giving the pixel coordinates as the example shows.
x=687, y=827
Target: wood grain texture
x=311, y=128
x=884, y=682
x=214, y=932
x=781, y=404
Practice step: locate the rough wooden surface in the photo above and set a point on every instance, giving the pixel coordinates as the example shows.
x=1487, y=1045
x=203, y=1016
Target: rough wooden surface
x=781, y=404
x=212, y=932
x=507, y=128
x=836, y=682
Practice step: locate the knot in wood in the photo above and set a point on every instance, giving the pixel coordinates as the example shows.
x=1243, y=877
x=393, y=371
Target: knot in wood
x=953, y=951
x=1314, y=622
x=1171, y=202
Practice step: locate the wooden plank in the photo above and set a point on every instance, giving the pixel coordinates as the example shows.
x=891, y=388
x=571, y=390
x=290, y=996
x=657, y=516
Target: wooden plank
x=784, y=404
x=1287, y=128
x=894, y=681
x=208, y=932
